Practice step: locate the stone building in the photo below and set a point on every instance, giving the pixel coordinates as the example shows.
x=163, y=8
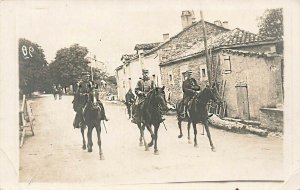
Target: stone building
x=247, y=64
x=131, y=69
x=247, y=67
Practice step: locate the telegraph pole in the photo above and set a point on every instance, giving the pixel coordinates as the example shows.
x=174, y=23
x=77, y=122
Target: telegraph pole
x=206, y=50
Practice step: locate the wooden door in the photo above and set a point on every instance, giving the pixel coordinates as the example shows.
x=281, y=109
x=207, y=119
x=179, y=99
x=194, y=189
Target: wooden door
x=242, y=101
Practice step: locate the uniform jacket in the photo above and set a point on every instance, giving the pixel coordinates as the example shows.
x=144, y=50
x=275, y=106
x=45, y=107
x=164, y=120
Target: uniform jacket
x=142, y=88
x=80, y=97
x=189, y=86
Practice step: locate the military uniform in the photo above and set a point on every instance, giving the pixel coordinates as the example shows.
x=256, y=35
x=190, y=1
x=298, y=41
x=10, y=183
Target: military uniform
x=143, y=86
x=189, y=86
x=129, y=100
x=83, y=88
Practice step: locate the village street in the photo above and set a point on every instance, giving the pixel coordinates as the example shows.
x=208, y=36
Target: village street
x=54, y=154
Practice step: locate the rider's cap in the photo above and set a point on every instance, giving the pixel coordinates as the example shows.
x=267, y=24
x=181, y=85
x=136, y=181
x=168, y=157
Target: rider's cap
x=85, y=74
x=189, y=72
x=145, y=71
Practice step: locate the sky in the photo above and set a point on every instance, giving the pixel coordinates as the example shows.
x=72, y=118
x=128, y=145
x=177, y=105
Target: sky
x=112, y=28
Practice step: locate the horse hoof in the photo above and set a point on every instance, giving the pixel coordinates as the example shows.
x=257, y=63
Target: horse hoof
x=150, y=144
x=179, y=136
x=189, y=142
x=101, y=157
x=84, y=147
x=156, y=152
x=141, y=144
x=90, y=150
x=196, y=145
x=213, y=149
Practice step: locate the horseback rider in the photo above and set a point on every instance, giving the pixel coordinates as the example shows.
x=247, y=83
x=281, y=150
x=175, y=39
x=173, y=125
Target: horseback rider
x=144, y=85
x=189, y=87
x=83, y=88
x=129, y=100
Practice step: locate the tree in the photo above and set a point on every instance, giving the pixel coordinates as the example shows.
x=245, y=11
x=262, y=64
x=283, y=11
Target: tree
x=271, y=23
x=68, y=65
x=32, y=66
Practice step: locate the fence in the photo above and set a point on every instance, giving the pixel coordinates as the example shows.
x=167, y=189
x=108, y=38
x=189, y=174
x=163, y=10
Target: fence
x=26, y=120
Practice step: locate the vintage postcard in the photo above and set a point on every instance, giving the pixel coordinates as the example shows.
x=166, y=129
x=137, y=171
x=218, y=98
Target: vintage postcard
x=138, y=94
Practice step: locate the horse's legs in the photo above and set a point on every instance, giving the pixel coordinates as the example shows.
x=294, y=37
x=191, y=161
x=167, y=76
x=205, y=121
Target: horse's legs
x=98, y=128
x=189, y=127
x=145, y=143
x=155, y=142
x=152, y=135
x=179, y=126
x=195, y=134
x=90, y=142
x=141, y=134
x=208, y=135
x=83, y=139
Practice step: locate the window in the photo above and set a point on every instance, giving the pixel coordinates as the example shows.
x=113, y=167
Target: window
x=203, y=73
x=227, y=65
x=170, y=78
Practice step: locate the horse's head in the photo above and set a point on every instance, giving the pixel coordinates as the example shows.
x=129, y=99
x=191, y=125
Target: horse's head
x=159, y=98
x=93, y=98
x=209, y=93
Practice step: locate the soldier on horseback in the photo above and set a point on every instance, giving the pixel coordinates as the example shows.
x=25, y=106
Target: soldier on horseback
x=82, y=88
x=143, y=86
x=189, y=87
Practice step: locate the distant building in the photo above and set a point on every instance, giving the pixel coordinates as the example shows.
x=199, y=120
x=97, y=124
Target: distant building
x=247, y=67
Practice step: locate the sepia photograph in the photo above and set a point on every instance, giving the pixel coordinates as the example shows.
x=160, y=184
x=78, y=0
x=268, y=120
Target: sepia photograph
x=135, y=95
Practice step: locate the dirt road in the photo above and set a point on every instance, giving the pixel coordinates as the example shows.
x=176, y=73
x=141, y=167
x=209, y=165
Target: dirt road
x=54, y=154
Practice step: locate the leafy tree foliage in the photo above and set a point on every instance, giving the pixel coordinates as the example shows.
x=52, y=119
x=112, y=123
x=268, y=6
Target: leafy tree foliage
x=271, y=23
x=32, y=67
x=68, y=65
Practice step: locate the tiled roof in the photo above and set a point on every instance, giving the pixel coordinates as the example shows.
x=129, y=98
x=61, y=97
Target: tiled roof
x=238, y=37
x=232, y=38
x=127, y=56
x=250, y=53
x=184, y=30
x=147, y=46
x=119, y=67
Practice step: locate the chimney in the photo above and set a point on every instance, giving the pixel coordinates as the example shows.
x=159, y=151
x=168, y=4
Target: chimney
x=193, y=20
x=187, y=18
x=218, y=22
x=166, y=37
x=225, y=24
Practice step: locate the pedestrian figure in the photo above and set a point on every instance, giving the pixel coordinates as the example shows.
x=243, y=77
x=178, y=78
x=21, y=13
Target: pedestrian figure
x=129, y=101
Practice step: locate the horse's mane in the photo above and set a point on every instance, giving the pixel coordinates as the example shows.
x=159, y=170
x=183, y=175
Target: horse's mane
x=202, y=96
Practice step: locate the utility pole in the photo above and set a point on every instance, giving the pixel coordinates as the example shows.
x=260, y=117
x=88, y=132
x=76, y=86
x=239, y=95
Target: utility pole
x=206, y=50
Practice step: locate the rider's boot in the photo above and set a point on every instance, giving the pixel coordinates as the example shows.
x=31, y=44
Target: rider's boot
x=103, y=112
x=183, y=114
x=134, y=114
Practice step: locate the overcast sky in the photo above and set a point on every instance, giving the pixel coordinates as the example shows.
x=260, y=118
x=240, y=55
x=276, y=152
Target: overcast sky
x=119, y=25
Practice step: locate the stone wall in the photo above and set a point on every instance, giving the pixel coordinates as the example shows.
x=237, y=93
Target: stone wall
x=271, y=119
x=262, y=77
x=187, y=38
x=267, y=48
x=175, y=85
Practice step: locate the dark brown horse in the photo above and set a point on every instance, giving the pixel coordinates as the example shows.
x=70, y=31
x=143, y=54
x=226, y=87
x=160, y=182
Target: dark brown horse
x=197, y=113
x=92, y=119
x=151, y=112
